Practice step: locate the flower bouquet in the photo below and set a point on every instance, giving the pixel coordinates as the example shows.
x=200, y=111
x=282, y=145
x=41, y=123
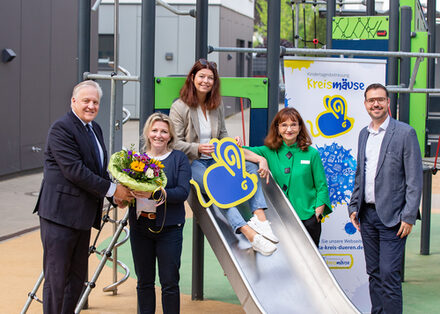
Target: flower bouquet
x=137, y=171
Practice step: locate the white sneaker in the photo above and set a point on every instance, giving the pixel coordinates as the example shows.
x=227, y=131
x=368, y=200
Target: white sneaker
x=263, y=246
x=263, y=228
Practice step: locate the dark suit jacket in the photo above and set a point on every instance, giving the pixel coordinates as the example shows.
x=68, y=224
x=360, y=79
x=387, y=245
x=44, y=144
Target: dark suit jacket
x=399, y=175
x=73, y=187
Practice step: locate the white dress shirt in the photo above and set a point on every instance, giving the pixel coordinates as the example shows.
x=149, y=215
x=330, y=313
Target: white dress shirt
x=205, y=129
x=372, y=150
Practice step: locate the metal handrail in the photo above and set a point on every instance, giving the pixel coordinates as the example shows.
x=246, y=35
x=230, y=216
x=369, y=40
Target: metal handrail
x=96, y=5
x=120, y=68
x=328, y=52
x=191, y=12
x=92, y=76
x=112, y=286
x=344, y=52
x=127, y=115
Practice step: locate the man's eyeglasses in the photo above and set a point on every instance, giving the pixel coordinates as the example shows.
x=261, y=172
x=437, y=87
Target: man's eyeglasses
x=380, y=100
x=205, y=62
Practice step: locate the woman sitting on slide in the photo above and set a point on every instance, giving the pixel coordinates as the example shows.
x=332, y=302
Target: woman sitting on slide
x=198, y=116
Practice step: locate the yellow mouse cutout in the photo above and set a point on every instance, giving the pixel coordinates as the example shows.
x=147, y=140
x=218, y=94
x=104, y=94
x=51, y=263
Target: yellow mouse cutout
x=226, y=182
x=333, y=121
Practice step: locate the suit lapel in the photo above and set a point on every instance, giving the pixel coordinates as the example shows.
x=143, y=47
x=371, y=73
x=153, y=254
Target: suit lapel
x=386, y=141
x=85, y=145
x=362, y=146
x=213, y=115
x=195, y=120
x=363, y=136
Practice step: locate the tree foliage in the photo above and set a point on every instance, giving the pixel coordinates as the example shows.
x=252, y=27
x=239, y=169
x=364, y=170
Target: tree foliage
x=287, y=26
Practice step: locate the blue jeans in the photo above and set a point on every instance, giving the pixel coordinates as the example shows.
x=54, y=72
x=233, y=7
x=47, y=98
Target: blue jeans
x=198, y=168
x=166, y=247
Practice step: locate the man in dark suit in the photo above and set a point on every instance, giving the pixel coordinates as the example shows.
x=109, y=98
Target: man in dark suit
x=71, y=197
x=386, y=197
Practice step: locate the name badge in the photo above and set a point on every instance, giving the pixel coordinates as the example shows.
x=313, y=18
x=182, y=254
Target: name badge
x=305, y=162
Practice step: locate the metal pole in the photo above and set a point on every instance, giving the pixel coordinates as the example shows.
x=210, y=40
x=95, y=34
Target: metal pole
x=116, y=37
x=332, y=52
x=201, y=29
x=92, y=283
x=83, y=38
x=32, y=294
x=393, y=45
x=431, y=12
x=273, y=57
x=112, y=125
x=90, y=76
x=198, y=237
x=426, y=212
x=331, y=10
x=296, y=24
x=431, y=9
x=405, y=63
x=84, y=17
x=371, y=10
x=148, y=29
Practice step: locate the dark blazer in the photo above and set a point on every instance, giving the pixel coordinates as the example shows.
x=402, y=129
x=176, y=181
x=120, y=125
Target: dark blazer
x=73, y=187
x=399, y=176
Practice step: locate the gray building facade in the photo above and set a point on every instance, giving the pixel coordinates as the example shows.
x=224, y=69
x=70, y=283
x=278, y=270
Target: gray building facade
x=175, y=41
x=35, y=85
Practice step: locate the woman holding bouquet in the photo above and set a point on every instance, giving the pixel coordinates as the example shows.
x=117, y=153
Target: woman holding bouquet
x=156, y=232
x=198, y=116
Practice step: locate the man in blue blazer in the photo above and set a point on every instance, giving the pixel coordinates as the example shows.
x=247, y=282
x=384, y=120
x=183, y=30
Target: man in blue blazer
x=386, y=197
x=74, y=185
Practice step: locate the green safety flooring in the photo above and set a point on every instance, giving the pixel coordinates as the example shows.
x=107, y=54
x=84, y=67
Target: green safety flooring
x=216, y=285
x=421, y=289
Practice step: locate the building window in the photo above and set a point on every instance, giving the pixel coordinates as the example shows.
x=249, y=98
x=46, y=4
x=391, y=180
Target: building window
x=105, y=51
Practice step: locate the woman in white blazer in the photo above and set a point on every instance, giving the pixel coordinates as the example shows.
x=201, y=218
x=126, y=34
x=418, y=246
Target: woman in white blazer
x=198, y=116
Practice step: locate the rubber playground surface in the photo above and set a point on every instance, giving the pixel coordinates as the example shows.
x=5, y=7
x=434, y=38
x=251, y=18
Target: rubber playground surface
x=21, y=260
x=21, y=264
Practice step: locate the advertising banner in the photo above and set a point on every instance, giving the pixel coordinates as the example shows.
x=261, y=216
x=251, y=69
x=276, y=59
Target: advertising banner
x=329, y=95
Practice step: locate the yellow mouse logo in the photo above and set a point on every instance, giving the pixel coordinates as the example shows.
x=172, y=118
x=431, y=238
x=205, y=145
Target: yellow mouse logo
x=226, y=182
x=333, y=121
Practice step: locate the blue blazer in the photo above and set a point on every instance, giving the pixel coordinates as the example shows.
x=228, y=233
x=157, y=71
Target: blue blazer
x=73, y=187
x=399, y=176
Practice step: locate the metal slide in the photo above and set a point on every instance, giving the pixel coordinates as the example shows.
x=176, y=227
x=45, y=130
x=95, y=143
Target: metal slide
x=295, y=279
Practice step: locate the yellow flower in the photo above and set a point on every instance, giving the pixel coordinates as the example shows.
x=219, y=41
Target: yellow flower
x=157, y=163
x=137, y=166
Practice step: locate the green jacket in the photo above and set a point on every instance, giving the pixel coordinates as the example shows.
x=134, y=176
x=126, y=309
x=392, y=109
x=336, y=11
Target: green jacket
x=301, y=177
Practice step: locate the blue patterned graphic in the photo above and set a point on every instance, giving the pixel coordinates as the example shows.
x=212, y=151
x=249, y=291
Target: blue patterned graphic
x=340, y=168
